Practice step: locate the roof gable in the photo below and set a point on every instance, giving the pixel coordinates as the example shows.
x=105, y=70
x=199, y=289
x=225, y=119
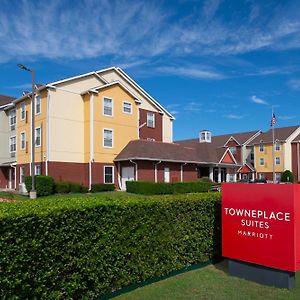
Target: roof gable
x=228, y=158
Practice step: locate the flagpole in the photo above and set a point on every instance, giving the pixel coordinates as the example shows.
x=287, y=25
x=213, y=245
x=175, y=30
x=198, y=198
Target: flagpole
x=273, y=141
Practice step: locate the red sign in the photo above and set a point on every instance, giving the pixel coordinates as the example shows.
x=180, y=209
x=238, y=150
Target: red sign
x=261, y=224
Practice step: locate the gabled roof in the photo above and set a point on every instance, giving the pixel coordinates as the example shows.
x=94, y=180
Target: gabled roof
x=100, y=87
x=280, y=134
x=4, y=100
x=221, y=140
x=296, y=139
x=172, y=152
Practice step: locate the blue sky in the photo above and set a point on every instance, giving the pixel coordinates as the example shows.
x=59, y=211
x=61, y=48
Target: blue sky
x=217, y=65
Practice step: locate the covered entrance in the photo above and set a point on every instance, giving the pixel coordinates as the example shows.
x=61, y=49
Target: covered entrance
x=127, y=174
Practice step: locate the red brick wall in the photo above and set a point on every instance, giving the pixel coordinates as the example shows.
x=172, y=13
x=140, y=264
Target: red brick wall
x=4, y=178
x=153, y=133
x=146, y=170
x=189, y=173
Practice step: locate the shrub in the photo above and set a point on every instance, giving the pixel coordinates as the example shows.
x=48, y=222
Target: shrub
x=151, y=188
x=44, y=185
x=99, y=187
x=87, y=247
x=84, y=189
x=62, y=187
x=287, y=176
x=205, y=179
x=75, y=187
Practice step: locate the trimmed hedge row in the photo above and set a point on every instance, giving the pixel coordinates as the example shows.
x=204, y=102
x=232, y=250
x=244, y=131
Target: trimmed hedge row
x=64, y=187
x=89, y=246
x=152, y=188
x=99, y=187
x=44, y=185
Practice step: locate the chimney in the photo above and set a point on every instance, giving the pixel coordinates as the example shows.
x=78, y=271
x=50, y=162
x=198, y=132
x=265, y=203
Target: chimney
x=204, y=136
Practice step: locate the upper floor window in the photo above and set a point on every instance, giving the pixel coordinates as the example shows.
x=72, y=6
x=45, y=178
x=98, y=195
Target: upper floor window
x=232, y=150
x=252, y=155
x=23, y=140
x=150, y=120
x=23, y=111
x=277, y=160
x=108, y=138
x=12, y=119
x=37, y=105
x=277, y=147
x=261, y=161
x=261, y=148
x=107, y=107
x=12, y=144
x=38, y=136
x=127, y=108
x=108, y=174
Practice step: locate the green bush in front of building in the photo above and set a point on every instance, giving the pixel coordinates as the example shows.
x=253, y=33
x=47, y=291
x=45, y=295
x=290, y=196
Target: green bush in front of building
x=90, y=246
x=44, y=185
x=151, y=188
x=102, y=187
x=287, y=176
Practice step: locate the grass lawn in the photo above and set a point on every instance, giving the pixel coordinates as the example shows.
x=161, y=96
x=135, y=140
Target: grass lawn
x=211, y=282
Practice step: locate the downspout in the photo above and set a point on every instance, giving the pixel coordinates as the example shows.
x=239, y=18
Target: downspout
x=14, y=167
x=155, y=170
x=91, y=139
x=136, y=169
x=48, y=134
x=181, y=172
x=119, y=175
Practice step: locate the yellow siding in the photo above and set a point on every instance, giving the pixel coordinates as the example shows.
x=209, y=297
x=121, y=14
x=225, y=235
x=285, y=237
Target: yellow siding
x=86, y=100
x=124, y=126
x=23, y=156
x=267, y=155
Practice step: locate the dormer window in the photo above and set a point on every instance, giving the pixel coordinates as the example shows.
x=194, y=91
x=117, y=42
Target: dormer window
x=233, y=149
x=205, y=136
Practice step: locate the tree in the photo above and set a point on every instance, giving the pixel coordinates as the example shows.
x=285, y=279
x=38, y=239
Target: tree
x=287, y=176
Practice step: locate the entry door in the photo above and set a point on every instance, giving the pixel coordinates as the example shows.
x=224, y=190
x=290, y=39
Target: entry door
x=167, y=175
x=127, y=175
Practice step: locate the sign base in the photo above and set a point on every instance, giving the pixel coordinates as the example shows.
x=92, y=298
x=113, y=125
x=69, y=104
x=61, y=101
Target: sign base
x=261, y=274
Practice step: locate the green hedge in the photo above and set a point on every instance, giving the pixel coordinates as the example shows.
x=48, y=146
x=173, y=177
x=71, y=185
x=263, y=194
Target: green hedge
x=44, y=185
x=101, y=187
x=151, y=188
x=92, y=245
x=287, y=176
x=65, y=187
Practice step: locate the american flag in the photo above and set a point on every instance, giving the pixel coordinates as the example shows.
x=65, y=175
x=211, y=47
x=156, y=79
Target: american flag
x=273, y=120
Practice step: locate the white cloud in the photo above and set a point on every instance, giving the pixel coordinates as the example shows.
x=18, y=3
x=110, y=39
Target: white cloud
x=294, y=84
x=133, y=30
x=286, y=117
x=21, y=86
x=192, y=106
x=234, y=117
x=192, y=72
x=257, y=100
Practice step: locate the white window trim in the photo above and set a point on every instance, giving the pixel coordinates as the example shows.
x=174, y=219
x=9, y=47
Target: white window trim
x=10, y=117
x=112, y=134
x=23, y=103
x=40, y=105
x=276, y=161
x=125, y=112
x=20, y=175
x=112, y=107
x=152, y=113
x=21, y=148
x=260, y=161
x=113, y=174
x=276, y=147
x=13, y=136
x=38, y=146
x=263, y=149
x=35, y=167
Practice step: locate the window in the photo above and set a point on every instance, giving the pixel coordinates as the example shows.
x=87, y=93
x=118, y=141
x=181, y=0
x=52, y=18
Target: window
x=107, y=107
x=37, y=105
x=108, y=138
x=12, y=144
x=231, y=177
x=252, y=155
x=261, y=176
x=277, y=147
x=12, y=119
x=22, y=174
x=108, y=174
x=37, y=169
x=277, y=160
x=261, y=161
x=233, y=150
x=261, y=148
x=277, y=177
x=150, y=120
x=127, y=108
x=23, y=140
x=23, y=111
x=38, y=137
